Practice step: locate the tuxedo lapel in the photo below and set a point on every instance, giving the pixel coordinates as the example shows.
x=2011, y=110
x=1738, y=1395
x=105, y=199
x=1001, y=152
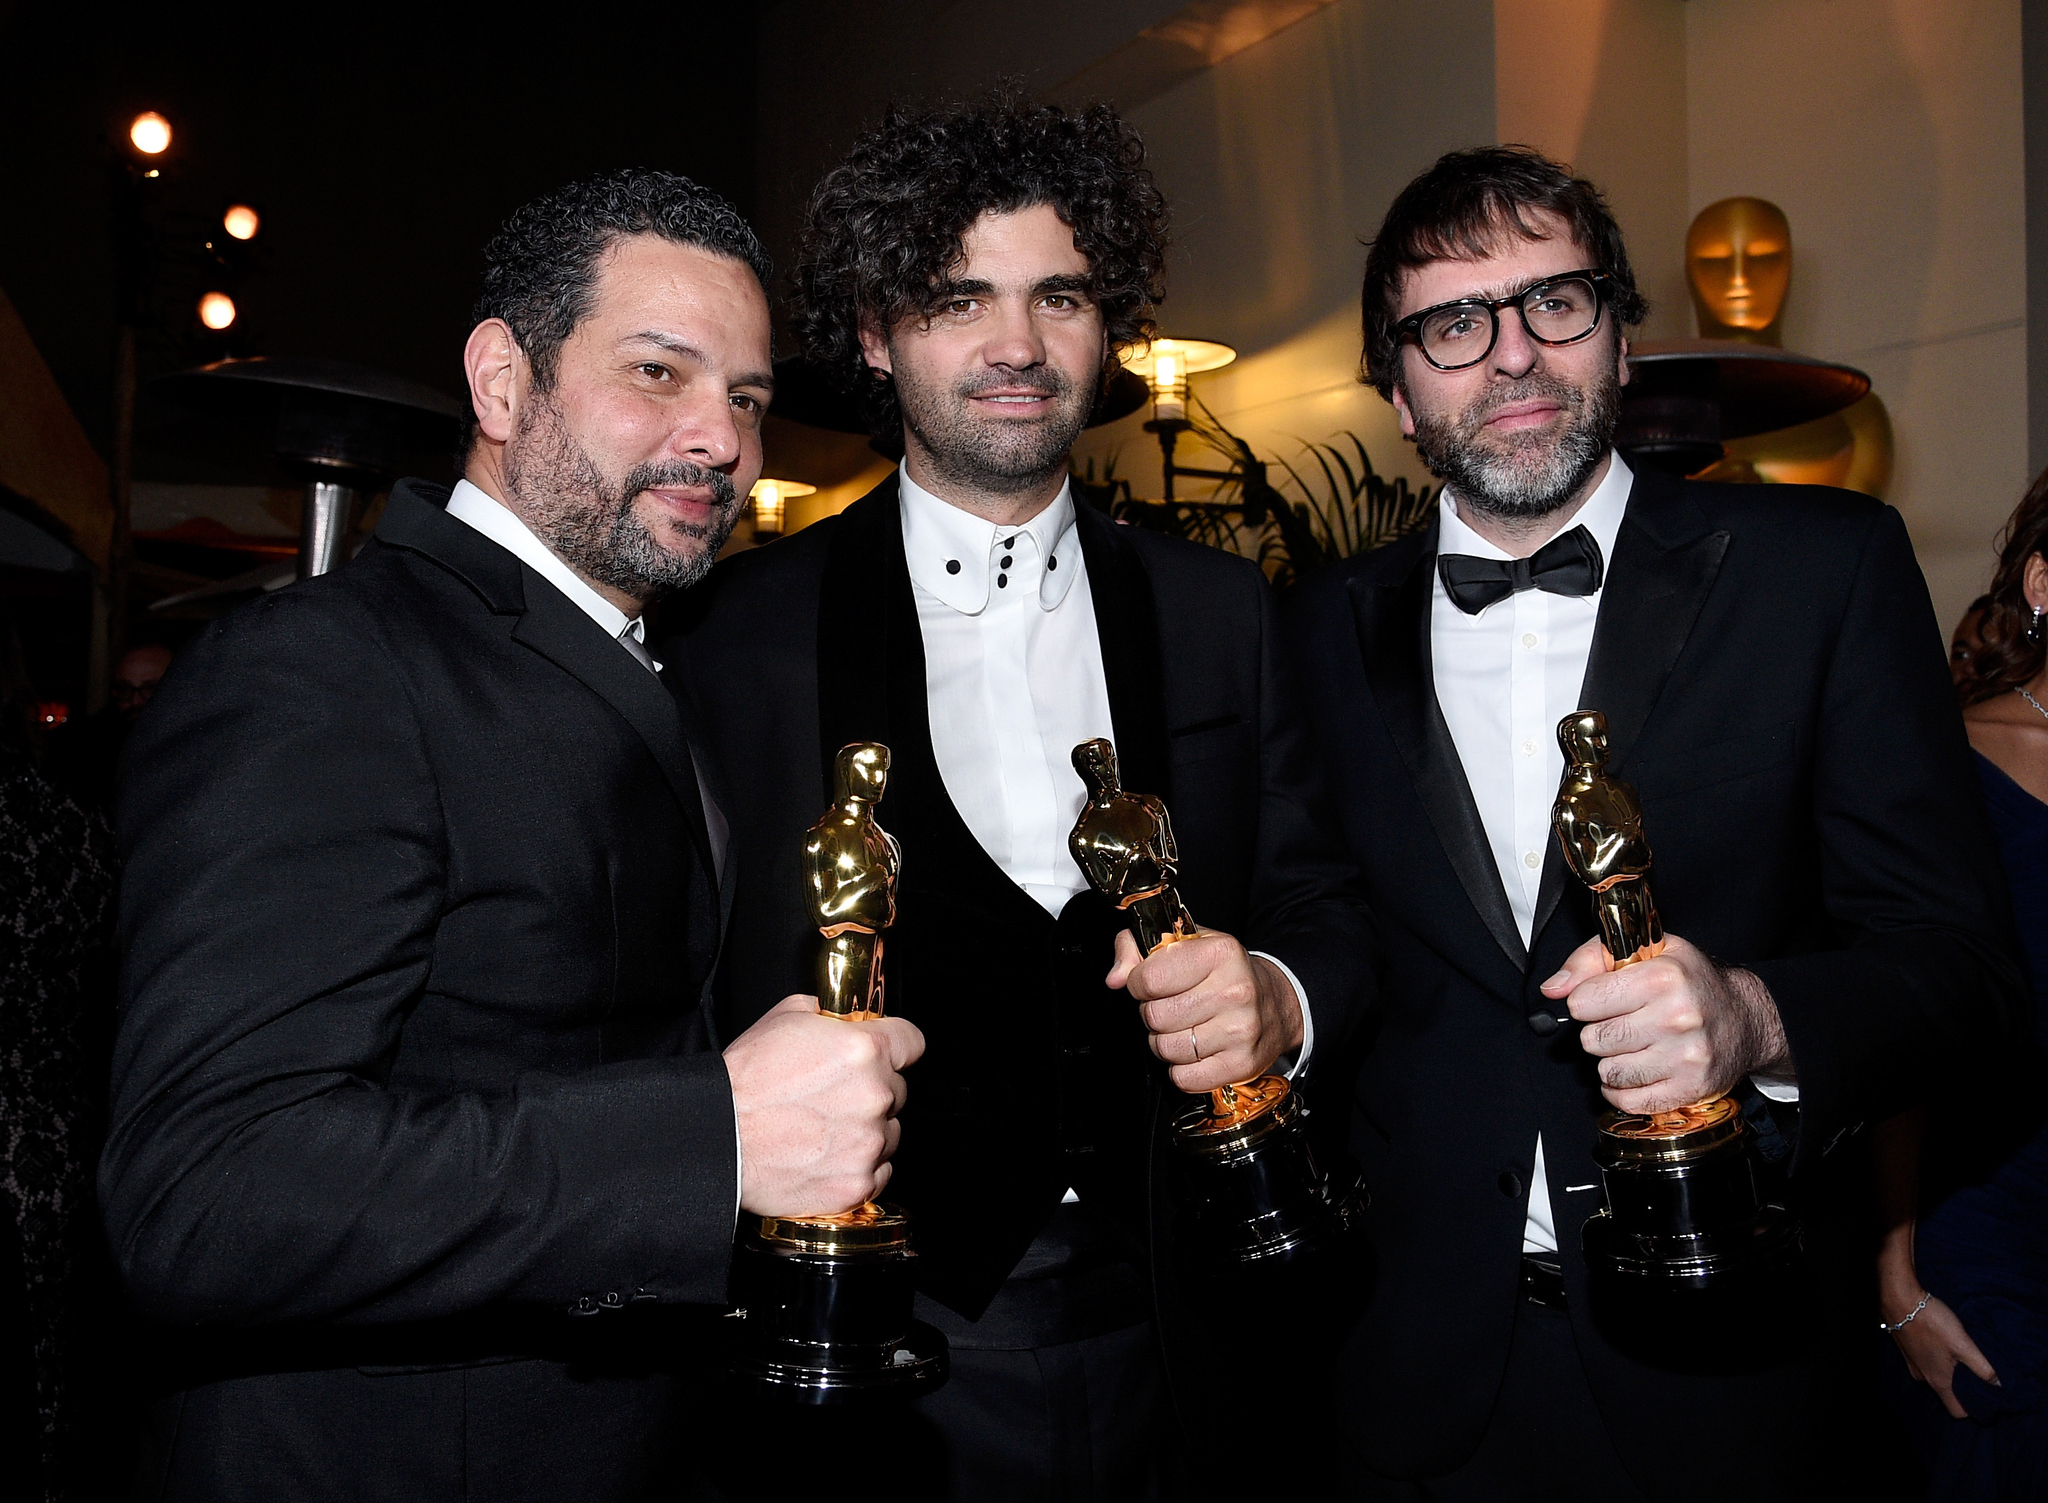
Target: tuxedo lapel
x=1392, y=616
x=1133, y=665
x=1666, y=558
x=416, y=518
x=552, y=626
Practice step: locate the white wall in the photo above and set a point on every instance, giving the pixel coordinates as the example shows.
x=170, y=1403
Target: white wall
x=1889, y=130
x=1278, y=163
x=1890, y=133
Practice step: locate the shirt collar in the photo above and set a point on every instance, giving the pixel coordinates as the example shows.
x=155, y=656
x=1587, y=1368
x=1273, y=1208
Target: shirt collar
x=1601, y=516
x=499, y=523
x=955, y=555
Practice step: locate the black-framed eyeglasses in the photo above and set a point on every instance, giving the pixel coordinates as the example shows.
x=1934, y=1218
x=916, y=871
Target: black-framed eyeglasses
x=1563, y=309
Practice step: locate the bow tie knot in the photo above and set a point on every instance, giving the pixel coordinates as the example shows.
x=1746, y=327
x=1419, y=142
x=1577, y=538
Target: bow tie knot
x=1569, y=564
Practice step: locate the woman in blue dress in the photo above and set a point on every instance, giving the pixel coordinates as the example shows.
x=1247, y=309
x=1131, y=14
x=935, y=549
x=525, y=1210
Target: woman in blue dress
x=1963, y=1267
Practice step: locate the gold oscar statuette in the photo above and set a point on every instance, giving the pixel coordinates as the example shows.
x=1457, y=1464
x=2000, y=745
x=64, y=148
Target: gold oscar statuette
x=1259, y=1193
x=827, y=1298
x=1684, y=1208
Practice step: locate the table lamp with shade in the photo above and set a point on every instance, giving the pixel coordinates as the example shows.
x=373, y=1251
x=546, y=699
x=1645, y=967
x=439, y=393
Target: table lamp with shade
x=1165, y=366
x=768, y=498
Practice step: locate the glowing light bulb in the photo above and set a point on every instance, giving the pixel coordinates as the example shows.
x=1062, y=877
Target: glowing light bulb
x=768, y=507
x=241, y=221
x=150, y=133
x=216, y=310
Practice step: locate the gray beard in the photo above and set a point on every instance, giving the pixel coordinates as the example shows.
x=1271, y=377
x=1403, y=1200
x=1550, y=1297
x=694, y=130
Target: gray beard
x=1530, y=475
x=588, y=521
x=982, y=456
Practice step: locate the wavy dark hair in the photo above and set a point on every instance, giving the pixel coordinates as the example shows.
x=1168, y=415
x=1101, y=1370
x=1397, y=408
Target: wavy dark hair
x=2007, y=659
x=886, y=226
x=1460, y=208
x=540, y=269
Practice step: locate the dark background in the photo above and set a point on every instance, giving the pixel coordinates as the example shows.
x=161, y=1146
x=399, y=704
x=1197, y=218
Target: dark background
x=382, y=148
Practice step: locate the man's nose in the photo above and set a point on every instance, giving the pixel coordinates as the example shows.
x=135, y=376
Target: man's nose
x=708, y=432
x=1014, y=340
x=1514, y=353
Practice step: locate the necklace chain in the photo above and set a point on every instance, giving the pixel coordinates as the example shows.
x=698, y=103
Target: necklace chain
x=2023, y=694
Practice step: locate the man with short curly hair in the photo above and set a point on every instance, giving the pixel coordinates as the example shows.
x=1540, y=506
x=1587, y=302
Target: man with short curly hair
x=972, y=274
x=424, y=1149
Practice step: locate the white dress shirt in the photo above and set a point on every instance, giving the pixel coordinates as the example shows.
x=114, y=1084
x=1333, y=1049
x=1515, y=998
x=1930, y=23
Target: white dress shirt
x=496, y=521
x=1504, y=678
x=1014, y=682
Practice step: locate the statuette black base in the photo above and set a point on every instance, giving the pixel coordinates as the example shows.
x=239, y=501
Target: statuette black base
x=827, y=1327
x=1257, y=1195
x=1693, y=1261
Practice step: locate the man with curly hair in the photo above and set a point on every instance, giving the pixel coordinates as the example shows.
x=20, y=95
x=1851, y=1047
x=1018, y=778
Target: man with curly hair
x=972, y=274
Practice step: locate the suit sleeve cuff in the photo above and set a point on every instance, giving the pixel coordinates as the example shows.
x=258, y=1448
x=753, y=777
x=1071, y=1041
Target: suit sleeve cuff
x=1294, y=1061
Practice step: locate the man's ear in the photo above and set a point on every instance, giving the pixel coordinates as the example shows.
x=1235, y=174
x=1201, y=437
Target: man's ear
x=495, y=367
x=875, y=347
x=1400, y=401
x=1621, y=359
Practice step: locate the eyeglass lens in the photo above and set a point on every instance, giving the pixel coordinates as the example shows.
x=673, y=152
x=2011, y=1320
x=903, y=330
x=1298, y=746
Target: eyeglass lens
x=1552, y=312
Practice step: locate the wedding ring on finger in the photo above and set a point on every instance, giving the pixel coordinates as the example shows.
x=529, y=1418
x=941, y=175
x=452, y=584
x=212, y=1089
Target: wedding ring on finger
x=1194, y=1044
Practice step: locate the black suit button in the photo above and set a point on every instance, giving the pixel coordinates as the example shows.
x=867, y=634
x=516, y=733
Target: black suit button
x=1542, y=1024
x=584, y=1305
x=1510, y=1184
x=613, y=1300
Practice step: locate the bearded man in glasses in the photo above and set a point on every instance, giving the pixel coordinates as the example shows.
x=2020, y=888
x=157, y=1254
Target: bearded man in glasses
x=1774, y=688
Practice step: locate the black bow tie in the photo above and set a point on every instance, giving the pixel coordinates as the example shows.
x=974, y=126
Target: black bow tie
x=1569, y=564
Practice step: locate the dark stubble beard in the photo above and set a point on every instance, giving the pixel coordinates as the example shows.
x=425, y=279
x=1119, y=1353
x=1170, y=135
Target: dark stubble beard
x=995, y=456
x=588, y=520
x=1521, y=477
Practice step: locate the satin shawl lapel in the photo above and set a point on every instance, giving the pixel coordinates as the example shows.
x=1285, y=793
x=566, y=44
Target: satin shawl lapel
x=857, y=628
x=1392, y=614
x=1133, y=664
x=552, y=626
x=1666, y=558
x=871, y=687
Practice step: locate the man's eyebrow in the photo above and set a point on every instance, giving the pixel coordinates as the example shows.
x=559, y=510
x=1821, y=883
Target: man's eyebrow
x=963, y=287
x=667, y=342
x=763, y=379
x=1065, y=282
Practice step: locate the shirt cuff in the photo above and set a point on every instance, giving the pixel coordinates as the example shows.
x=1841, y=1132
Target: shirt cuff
x=739, y=1165
x=1777, y=1087
x=1295, y=1061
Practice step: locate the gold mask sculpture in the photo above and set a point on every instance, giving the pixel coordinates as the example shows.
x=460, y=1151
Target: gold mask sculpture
x=1738, y=264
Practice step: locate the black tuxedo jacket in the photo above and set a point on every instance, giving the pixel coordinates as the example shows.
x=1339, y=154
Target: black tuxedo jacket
x=1775, y=689
x=1035, y=1076
x=416, y=1058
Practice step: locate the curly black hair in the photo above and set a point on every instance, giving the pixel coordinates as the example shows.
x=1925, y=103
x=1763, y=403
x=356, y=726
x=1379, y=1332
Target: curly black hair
x=886, y=226
x=540, y=269
x=1460, y=207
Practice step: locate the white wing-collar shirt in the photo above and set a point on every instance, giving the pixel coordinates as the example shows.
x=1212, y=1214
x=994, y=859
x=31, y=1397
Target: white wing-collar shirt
x=1014, y=682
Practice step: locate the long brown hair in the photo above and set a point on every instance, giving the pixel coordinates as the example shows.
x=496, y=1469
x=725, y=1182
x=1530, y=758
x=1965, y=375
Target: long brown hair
x=2008, y=659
